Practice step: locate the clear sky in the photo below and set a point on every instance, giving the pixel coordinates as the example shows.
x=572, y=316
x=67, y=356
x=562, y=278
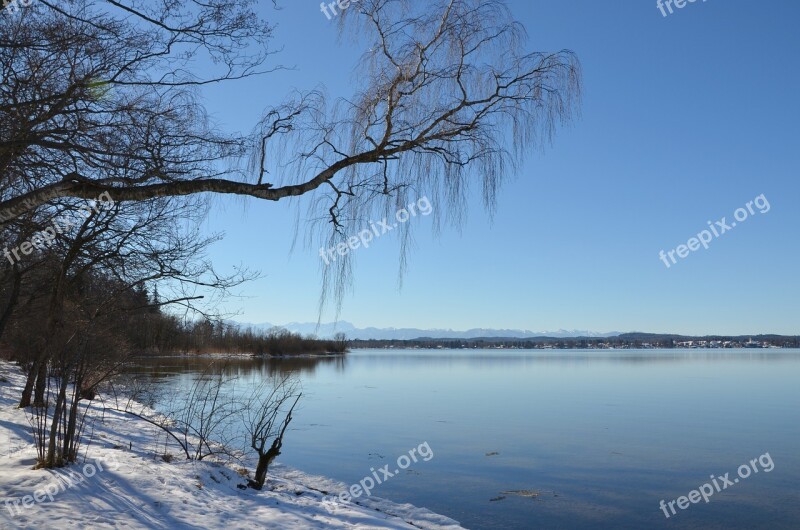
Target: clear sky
x=685, y=118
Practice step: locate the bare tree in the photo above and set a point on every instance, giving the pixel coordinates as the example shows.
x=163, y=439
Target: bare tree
x=200, y=418
x=207, y=414
x=132, y=245
x=100, y=98
x=90, y=286
x=340, y=342
x=266, y=418
x=98, y=95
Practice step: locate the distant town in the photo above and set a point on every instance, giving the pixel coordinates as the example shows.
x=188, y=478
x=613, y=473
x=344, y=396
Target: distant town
x=624, y=341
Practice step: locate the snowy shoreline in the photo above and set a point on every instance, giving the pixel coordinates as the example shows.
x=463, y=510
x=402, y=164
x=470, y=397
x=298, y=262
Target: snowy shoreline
x=120, y=482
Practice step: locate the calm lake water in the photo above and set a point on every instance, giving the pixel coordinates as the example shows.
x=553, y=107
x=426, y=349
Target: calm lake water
x=601, y=436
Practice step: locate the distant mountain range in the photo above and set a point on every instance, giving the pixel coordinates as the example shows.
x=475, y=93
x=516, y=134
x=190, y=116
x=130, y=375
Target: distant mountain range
x=326, y=331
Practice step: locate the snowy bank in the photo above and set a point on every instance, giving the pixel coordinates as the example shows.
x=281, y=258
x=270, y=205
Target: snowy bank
x=119, y=482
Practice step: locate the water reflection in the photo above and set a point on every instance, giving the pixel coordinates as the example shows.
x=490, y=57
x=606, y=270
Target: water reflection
x=610, y=432
x=159, y=368
x=232, y=366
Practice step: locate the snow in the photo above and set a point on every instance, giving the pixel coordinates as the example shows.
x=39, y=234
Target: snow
x=120, y=482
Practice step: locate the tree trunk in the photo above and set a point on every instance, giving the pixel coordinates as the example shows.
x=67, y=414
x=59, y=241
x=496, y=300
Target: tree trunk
x=41, y=385
x=70, y=450
x=54, y=317
x=27, y=392
x=53, y=460
x=12, y=298
x=264, y=461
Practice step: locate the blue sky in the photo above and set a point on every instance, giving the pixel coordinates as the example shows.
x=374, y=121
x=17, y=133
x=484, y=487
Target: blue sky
x=684, y=119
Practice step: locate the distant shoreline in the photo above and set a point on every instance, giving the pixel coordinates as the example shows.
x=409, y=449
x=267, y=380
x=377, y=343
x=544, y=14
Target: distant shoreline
x=629, y=341
x=224, y=355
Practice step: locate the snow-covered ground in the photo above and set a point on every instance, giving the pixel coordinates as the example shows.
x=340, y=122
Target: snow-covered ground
x=121, y=483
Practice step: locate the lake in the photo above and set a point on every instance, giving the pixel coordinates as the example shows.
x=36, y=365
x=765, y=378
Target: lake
x=549, y=438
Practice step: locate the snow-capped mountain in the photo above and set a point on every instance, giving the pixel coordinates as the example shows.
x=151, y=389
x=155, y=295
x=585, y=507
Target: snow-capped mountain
x=327, y=330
